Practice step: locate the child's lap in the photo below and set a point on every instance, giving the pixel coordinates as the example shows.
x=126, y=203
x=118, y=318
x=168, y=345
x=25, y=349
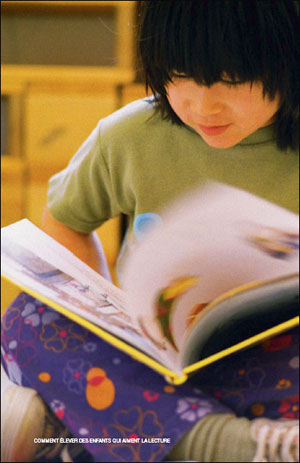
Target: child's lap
x=261, y=381
x=100, y=392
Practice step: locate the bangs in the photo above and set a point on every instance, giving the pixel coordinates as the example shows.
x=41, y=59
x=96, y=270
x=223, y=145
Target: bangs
x=207, y=40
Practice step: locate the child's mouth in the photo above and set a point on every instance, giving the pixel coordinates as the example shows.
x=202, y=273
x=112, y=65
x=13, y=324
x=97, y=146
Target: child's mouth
x=213, y=129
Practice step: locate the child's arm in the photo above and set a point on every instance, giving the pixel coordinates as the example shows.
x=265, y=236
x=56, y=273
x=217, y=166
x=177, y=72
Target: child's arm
x=86, y=246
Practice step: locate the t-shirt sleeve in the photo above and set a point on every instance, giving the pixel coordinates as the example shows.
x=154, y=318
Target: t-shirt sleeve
x=81, y=195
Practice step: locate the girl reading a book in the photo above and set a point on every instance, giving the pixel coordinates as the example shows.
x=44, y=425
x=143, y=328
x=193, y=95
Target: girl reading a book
x=224, y=78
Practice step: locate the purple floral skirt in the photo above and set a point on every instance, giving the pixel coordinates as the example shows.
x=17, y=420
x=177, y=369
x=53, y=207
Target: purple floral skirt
x=119, y=409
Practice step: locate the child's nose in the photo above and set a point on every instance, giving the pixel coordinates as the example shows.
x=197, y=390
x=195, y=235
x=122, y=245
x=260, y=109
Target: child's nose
x=206, y=103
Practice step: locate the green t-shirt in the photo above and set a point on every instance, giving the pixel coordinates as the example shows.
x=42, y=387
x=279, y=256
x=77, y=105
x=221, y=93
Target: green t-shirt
x=135, y=163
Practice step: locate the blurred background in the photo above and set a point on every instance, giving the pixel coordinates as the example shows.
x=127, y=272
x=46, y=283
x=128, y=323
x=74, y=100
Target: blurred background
x=64, y=66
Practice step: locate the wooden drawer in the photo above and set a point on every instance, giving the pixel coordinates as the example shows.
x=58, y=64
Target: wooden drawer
x=56, y=124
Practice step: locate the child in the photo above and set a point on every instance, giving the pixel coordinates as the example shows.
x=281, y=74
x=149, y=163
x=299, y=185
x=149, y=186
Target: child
x=225, y=80
x=224, y=75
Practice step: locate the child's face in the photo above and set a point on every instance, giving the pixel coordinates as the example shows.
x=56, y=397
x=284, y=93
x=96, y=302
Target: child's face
x=222, y=114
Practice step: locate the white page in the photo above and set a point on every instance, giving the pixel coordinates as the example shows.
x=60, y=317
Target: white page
x=46, y=267
x=208, y=235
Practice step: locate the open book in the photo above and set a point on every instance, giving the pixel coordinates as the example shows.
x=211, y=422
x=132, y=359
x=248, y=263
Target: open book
x=218, y=274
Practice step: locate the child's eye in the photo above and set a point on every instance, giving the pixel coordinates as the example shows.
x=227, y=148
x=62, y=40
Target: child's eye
x=179, y=76
x=231, y=83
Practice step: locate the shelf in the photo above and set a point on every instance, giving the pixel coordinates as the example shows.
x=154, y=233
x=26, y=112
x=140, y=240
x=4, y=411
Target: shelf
x=17, y=75
x=12, y=6
x=38, y=16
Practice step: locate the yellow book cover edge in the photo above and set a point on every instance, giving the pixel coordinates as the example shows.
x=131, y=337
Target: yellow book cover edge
x=257, y=338
x=170, y=376
x=110, y=338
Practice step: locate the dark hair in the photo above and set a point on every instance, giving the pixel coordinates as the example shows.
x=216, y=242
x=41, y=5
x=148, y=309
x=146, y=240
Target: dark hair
x=246, y=40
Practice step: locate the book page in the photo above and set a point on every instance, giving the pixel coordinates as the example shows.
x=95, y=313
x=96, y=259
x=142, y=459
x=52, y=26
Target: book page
x=34, y=260
x=215, y=239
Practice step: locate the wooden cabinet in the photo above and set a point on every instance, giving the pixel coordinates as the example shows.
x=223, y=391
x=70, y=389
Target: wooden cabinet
x=53, y=96
x=46, y=121
x=12, y=163
x=55, y=118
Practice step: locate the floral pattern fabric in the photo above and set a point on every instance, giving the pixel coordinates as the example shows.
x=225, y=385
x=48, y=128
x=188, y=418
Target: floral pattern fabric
x=121, y=410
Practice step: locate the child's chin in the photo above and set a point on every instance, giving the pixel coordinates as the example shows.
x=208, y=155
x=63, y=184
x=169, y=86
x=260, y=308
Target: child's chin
x=215, y=142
